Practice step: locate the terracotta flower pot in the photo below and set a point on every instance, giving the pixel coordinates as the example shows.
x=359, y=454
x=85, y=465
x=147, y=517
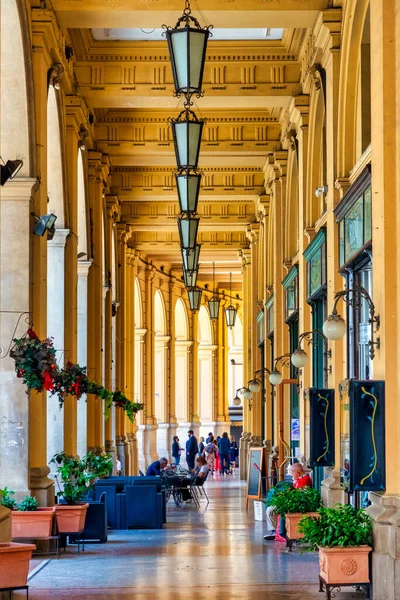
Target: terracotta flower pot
x=32, y=524
x=344, y=566
x=14, y=564
x=292, y=521
x=71, y=519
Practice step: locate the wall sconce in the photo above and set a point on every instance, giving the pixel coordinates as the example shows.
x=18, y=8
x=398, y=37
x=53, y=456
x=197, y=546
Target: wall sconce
x=255, y=384
x=300, y=357
x=335, y=326
x=320, y=191
x=276, y=376
x=43, y=224
x=247, y=395
x=9, y=170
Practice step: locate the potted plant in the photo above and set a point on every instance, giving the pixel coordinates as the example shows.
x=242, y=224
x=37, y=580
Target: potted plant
x=14, y=564
x=293, y=504
x=31, y=521
x=6, y=500
x=343, y=536
x=78, y=477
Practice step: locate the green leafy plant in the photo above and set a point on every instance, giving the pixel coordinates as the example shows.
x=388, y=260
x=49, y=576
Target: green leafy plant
x=6, y=500
x=35, y=361
x=79, y=475
x=301, y=500
x=342, y=526
x=29, y=503
x=279, y=488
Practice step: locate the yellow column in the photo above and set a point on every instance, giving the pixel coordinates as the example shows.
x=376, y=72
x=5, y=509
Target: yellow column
x=95, y=302
x=255, y=356
x=246, y=264
x=71, y=279
x=280, y=328
x=171, y=398
x=194, y=417
x=40, y=485
x=122, y=348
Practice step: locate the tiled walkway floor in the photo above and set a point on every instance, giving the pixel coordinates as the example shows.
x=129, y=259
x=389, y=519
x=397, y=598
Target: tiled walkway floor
x=212, y=553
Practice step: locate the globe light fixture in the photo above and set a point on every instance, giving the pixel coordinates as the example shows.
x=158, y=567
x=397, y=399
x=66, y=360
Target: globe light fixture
x=194, y=298
x=188, y=226
x=190, y=258
x=237, y=401
x=334, y=327
x=186, y=132
x=230, y=311
x=187, y=44
x=214, y=302
x=276, y=377
x=299, y=358
x=188, y=186
x=255, y=386
x=248, y=395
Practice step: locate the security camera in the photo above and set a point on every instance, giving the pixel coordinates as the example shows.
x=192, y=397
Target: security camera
x=320, y=191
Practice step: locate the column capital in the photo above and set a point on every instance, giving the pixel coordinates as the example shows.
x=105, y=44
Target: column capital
x=84, y=266
x=124, y=232
x=253, y=233
x=19, y=188
x=60, y=239
x=113, y=207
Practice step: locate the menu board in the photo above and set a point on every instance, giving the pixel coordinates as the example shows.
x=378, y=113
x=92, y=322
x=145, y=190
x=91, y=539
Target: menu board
x=255, y=471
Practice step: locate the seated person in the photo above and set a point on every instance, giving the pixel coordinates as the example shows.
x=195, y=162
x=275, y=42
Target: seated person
x=201, y=470
x=156, y=467
x=300, y=479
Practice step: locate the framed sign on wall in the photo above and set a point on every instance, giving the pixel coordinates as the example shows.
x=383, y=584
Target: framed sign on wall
x=322, y=427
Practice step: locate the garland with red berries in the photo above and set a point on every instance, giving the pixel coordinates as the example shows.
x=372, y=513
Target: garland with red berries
x=35, y=363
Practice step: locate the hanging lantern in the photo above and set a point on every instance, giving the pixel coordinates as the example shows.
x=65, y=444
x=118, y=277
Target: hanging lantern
x=187, y=43
x=190, y=278
x=194, y=298
x=188, y=226
x=186, y=131
x=214, y=302
x=190, y=258
x=230, y=311
x=188, y=185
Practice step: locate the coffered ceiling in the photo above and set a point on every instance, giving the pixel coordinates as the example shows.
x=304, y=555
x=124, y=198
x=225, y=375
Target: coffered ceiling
x=251, y=74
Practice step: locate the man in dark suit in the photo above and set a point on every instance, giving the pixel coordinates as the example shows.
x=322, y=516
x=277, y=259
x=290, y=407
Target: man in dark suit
x=192, y=449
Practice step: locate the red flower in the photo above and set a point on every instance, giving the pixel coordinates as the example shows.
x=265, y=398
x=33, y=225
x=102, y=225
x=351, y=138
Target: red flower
x=32, y=334
x=47, y=381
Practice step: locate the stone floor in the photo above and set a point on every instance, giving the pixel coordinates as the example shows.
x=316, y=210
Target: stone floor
x=210, y=553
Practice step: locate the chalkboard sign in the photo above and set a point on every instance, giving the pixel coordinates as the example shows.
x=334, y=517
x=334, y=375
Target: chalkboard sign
x=255, y=471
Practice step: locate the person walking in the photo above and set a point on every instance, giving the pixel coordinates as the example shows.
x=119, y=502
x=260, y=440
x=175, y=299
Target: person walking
x=210, y=437
x=224, y=448
x=233, y=452
x=176, y=450
x=192, y=449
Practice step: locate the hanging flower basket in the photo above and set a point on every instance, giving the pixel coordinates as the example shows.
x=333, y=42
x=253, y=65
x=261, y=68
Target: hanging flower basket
x=131, y=408
x=70, y=381
x=35, y=361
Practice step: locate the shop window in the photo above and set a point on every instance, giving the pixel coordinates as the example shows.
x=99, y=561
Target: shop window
x=354, y=216
x=291, y=287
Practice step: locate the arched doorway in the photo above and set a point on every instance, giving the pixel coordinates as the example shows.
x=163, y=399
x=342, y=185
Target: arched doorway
x=182, y=351
x=55, y=264
x=205, y=372
x=160, y=375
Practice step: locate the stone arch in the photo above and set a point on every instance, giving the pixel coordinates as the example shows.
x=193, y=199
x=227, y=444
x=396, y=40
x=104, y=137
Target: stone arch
x=205, y=370
x=291, y=243
x=82, y=209
x=55, y=159
x=138, y=305
x=181, y=321
x=160, y=357
x=182, y=349
x=354, y=18
x=235, y=353
x=159, y=314
x=16, y=85
x=316, y=157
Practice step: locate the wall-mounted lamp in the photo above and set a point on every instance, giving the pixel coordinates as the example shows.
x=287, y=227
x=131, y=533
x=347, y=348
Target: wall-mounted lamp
x=276, y=376
x=247, y=395
x=300, y=357
x=10, y=169
x=255, y=384
x=335, y=326
x=45, y=223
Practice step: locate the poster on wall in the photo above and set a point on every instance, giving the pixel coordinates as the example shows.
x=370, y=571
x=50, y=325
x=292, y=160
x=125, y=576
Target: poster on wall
x=295, y=437
x=322, y=427
x=367, y=436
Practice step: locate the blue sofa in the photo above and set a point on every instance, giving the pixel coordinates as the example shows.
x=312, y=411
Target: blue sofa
x=133, y=502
